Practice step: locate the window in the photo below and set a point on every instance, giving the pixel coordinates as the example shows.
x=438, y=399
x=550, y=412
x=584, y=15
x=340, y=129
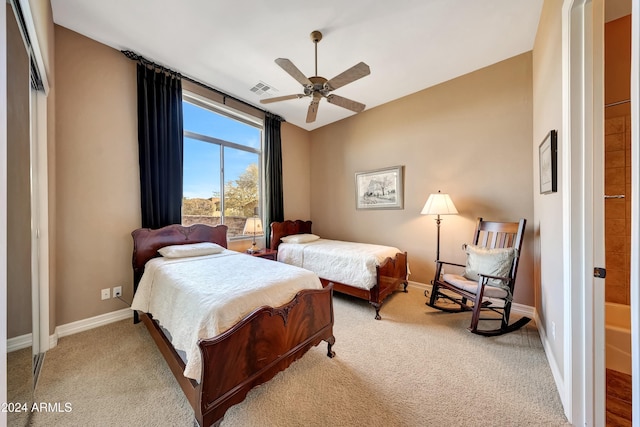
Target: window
x=222, y=173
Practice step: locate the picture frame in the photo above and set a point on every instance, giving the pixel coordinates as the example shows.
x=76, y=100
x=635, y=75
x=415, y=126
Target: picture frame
x=548, y=156
x=380, y=189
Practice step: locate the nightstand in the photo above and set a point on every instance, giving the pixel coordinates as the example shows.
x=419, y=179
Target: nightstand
x=266, y=253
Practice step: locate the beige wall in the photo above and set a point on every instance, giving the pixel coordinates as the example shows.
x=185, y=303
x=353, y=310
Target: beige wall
x=469, y=137
x=296, y=171
x=548, y=212
x=97, y=181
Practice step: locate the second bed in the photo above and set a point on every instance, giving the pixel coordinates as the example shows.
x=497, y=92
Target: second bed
x=370, y=272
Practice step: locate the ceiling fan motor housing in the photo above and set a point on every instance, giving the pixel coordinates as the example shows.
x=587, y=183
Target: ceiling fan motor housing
x=319, y=85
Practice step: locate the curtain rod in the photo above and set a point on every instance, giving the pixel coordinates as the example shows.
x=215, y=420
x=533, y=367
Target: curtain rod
x=135, y=57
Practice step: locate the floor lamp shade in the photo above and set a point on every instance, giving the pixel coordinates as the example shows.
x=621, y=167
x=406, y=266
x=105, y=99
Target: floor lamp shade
x=439, y=204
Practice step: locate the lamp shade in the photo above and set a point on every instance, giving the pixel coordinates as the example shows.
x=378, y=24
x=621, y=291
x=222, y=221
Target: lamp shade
x=439, y=204
x=253, y=226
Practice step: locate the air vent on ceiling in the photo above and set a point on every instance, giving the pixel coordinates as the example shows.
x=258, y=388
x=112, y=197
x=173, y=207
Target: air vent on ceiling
x=262, y=88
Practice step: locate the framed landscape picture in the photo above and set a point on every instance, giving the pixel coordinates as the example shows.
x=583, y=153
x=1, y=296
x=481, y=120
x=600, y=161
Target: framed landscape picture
x=380, y=189
x=548, y=152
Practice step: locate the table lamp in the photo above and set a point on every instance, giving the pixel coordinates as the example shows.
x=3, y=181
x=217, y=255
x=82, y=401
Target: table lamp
x=253, y=226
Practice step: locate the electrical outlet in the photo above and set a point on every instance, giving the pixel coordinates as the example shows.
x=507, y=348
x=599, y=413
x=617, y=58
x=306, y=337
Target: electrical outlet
x=553, y=330
x=117, y=291
x=105, y=293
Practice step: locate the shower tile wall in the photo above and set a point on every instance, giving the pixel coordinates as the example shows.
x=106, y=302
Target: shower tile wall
x=617, y=159
x=617, y=181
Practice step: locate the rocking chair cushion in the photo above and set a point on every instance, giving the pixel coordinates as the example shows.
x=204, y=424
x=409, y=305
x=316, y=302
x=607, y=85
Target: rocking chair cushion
x=465, y=284
x=492, y=262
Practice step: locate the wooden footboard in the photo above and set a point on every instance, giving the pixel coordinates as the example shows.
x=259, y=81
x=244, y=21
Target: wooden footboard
x=264, y=343
x=390, y=275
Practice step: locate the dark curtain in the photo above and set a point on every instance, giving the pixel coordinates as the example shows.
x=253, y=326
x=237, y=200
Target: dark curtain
x=160, y=146
x=273, y=173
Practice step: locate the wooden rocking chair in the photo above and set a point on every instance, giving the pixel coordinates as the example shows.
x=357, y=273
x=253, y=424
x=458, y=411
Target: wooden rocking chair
x=489, y=278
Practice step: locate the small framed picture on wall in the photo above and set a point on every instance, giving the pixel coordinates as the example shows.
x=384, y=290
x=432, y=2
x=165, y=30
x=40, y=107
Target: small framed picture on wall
x=380, y=189
x=548, y=152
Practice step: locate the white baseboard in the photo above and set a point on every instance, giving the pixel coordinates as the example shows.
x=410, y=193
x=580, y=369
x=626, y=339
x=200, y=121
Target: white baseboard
x=18, y=343
x=421, y=286
x=553, y=364
x=524, y=310
x=90, y=323
x=521, y=309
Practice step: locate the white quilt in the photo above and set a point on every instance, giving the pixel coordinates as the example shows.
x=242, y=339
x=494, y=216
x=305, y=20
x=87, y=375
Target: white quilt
x=201, y=297
x=345, y=262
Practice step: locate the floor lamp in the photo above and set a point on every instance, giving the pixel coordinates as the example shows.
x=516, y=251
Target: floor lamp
x=439, y=204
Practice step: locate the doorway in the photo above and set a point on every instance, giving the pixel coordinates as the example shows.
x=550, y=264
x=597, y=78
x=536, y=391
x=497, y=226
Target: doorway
x=617, y=188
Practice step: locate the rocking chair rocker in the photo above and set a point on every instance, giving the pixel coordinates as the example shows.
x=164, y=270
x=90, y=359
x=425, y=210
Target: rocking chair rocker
x=489, y=278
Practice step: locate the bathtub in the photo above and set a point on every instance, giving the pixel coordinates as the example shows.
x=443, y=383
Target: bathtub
x=618, y=337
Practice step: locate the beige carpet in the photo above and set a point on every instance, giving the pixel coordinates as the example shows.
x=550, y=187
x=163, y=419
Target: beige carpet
x=19, y=385
x=416, y=367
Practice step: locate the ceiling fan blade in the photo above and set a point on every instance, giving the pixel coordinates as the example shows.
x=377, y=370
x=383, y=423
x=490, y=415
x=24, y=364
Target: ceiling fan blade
x=280, y=98
x=343, y=102
x=312, y=112
x=293, y=71
x=352, y=74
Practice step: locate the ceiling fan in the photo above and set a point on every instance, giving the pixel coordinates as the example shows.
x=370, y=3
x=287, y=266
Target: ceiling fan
x=318, y=87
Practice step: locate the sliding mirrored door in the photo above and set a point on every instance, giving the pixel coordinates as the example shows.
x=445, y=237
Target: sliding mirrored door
x=19, y=271
x=26, y=211
x=37, y=332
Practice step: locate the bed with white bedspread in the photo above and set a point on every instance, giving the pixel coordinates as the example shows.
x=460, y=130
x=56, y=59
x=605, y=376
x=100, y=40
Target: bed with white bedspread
x=224, y=321
x=338, y=261
x=363, y=270
x=201, y=297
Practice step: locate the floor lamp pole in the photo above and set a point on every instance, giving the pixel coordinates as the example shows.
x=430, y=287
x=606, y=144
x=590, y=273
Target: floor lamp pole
x=438, y=238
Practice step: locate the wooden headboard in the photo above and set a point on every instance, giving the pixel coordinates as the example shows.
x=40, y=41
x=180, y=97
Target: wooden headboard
x=287, y=228
x=146, y=242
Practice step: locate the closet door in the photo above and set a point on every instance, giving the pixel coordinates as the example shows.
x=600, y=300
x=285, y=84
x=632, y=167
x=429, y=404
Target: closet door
x=18, y=184
x=20, y=296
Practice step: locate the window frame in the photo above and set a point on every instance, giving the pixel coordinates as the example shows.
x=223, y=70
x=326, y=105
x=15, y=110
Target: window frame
x=247, y=119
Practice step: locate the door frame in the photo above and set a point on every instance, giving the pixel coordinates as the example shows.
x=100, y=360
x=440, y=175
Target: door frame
x=40, y=184
x=3, y=208
x=583, y=210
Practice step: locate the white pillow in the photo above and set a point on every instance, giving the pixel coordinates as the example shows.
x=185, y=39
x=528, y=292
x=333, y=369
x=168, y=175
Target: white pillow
x=191, y=249
x=300, y=238
x=493, y=262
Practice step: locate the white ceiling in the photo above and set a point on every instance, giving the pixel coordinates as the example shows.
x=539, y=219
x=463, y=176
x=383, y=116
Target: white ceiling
x=231, y=45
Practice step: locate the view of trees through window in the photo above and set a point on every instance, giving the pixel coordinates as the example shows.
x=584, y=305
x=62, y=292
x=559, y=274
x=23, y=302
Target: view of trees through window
x=221, y=165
